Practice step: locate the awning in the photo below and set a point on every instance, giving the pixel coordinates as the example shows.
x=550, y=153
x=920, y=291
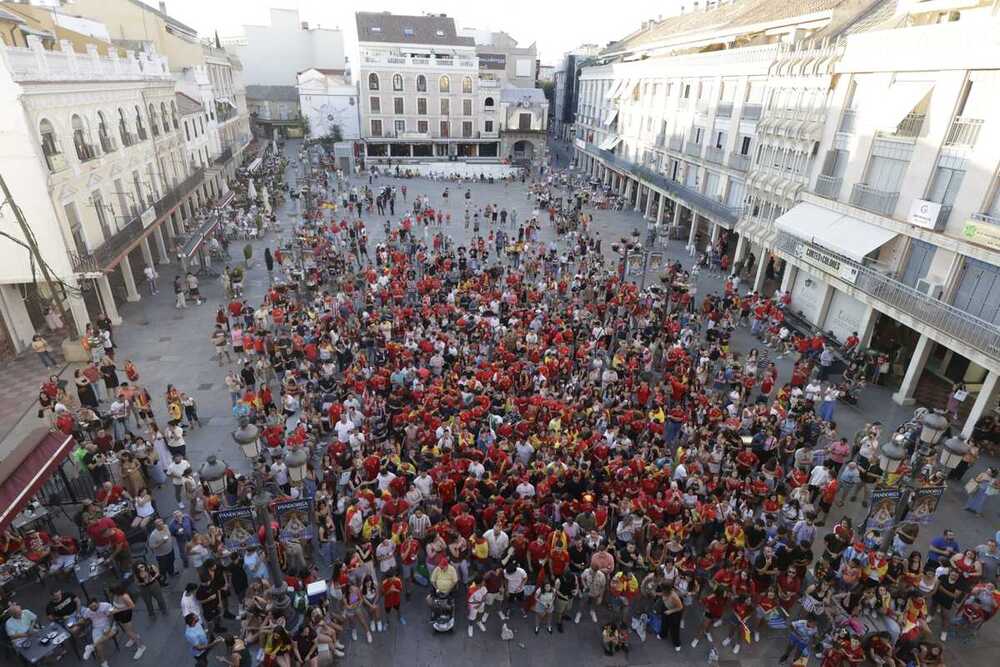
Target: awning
x=224, y=202
x=191, y=247
x=610, y=142
x=26, y=469
x=255, y=165
x=901, y=99
x=626, y=84
x=841, y=233
x=611, y=117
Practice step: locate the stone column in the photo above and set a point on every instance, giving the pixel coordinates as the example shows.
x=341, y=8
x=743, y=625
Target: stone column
x=985, y=401
x=638, y=195
x=78, y=307
x=758, y=279
x=659, y=209
x=788, y=279
x=147, y=252
x=692, y=237
x=15, y=315
x=131, y=293
x=716, y=227
x=108, y=300
x=824, y=304
x=649, y=203
x=867, y=326
x=161, y=246
x=741, y=249
x=918, y=361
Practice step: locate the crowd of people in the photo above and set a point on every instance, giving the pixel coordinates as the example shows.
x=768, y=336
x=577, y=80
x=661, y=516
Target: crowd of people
x=509, y=429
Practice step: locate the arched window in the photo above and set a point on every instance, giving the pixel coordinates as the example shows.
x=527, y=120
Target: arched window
x=107, y=143
x=488, y=103
x=81, y=139
x=467, y=85
x=139, y=127
x=173, y=115
x=373, y=81
x=50, y=145
x=164, y=118
x=397, y=82
x=127, y=138
x=444, y=85
x=421, y=83
x=154, y=122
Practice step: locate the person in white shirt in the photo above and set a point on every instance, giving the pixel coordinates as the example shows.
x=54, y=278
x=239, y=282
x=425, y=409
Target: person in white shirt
x=280, y=473
x=477, y=469
x=102, y=628
x=344, y=428
x=498, y=542
x=525, y=489
x=175, y=471
x=516, y=578
x=420, y=523
x=424, y=484
x=384, y=479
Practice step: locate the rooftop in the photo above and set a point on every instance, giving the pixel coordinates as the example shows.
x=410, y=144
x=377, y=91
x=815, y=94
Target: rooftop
x=187, y=105
x=273, y=93
x=401, y=29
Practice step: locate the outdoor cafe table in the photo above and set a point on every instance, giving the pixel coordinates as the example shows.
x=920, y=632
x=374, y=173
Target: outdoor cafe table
x=89, y=569
x=35, y=651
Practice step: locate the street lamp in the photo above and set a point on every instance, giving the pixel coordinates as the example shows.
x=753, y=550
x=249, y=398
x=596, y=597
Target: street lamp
x=280, y=602
x=246, y=437
x=953, y=452
x=213, y=473
x=891, y=454
x=933, y=424
x=296, y=459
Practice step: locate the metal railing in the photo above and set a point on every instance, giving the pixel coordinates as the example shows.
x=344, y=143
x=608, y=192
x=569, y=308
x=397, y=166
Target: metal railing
x=847, y=121
x=724, y=110
x=714, y=154
x=177, y=193
x=85, y=152
x=909, y=127
x=107, y=143
x=953, y=322
x=739, y=161
x=964, y=132
x=987, y=218
x=225, y=156
x=828, y=186
x=751, y=112
x=693, y=149
x=874, y=200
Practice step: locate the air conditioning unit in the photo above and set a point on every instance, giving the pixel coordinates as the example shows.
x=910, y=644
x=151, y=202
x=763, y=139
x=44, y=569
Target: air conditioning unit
x=933, y=290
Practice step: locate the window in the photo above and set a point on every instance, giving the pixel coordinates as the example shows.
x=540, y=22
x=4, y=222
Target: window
x=399, y=126
x=699, y=134
x=81, y=139
x=744, y=145
x=444, y=85
x=720, y=139
x=75, y=228
x=373, y=81
x=422, y=126
x=421, y=106
x=736, y=194
x=375, y=104
x=408, y=32
x=979, y=290
x=397, y=105
x=421, y=83
x=445, y=107
x=711, y=184
x=102, y=213
x=376, y=128
x=102, y=133
x=467, y=85
x=488, y=126
x=467, y=128
x=466, y=107
x=522, y=67
x=888, y=165
x=397, y=82
x=686, y=91
x=50, y=147
x=524, y=121
x=164, y=118
x=917, y=262
x=488, y=103
x=444, y=129
x=187, y=130
x=945, y=184
x=154, y=122
x=173, y=115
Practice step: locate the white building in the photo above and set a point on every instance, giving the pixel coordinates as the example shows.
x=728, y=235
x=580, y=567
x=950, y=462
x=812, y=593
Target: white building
x=524, y=119
x=420, y=91
x=301, y=47
x=94, y=157
x=328, y=99
x=849, y=152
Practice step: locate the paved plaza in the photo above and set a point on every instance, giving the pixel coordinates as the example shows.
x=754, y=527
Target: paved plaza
x=171, y=346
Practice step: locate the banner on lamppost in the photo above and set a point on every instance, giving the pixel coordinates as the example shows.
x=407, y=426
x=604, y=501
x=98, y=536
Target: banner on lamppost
x=293, y=519
x=239, y=527
x=924, y=503
x=882, y=510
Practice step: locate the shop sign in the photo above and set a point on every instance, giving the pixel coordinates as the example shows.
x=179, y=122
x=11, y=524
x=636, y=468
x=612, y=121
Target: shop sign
x=148, y=217
x=495, y=61
x=827, y=263
x=882, y=510
x=239, y=527
x=924, y=214
x=982, y=233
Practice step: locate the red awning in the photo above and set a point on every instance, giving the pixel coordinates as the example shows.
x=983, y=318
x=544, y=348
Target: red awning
x=224, y=202
x=27, y=468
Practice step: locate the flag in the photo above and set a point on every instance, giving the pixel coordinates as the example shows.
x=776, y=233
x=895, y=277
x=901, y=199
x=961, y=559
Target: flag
x=745, y=632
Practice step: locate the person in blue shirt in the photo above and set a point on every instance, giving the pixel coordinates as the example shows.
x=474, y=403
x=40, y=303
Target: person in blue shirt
x=197, y=639
x=941, y=550
x=800, y=638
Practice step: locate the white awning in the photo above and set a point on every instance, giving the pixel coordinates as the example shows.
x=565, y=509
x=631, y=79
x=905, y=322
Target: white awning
x=841, y=233
x=611, y=117
x=901, y=99
x=615, y=89
x=626, y=85
x=610, y=142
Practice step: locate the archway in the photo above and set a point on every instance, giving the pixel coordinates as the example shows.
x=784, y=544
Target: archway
x=523, y=150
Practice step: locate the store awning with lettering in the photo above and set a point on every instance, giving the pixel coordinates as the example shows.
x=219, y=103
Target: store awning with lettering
x=833, y=230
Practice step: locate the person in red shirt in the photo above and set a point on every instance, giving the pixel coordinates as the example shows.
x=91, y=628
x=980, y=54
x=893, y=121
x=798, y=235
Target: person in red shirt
x=118, y=547
x=409, y=550
x=109, y=494
x=715, y=606
x=739, y=624
x=558, y=561
x=392, y=588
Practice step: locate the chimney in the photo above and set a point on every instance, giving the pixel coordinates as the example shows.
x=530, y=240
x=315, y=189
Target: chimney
x=163, y=7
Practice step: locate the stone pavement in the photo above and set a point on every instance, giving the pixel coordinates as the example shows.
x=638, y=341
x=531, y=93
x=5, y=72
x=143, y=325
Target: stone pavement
x=171, y=346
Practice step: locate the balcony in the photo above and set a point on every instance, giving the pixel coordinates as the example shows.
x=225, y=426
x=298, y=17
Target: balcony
x=714, y=154
x=142, y=133
x=701, y=106
x=964, y=132
x=108, y=144
x=55, y=161
x=847, y=121
x=724, y=110
x=739, y=161
x=987, y=218
x=693, y=149
x=923, y=309
x=105, y=256
x=676, y=143
x=871, y=199
x=909, y=127
x=751, y=112
x=85, y=152
x=828, y=186
x=128, y=138
x=225, y=156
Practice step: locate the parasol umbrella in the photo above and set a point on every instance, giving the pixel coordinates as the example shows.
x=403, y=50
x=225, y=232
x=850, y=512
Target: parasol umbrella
x=251, y=190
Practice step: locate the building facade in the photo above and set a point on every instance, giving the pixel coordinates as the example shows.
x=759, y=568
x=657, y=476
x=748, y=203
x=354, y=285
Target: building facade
x=847, y=155
x=329, y=99
x=419, y=91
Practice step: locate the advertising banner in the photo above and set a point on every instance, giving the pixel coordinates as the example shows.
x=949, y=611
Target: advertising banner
x=882, y=510
x=924, y=503
x=293, y=520
x=239, y=527
x=495, y=61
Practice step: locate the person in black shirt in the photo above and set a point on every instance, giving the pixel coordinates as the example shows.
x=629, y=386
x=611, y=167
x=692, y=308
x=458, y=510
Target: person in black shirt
x=208, y=596
x=61, y=606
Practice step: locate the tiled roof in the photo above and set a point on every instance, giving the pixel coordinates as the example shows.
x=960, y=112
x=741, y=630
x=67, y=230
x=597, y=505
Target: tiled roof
x=187, y=105
x=727, y=16
x=399, y=29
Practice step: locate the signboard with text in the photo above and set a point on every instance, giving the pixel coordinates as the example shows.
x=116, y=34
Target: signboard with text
x=293, y=519
x=494, y=61
x=827, y=263
x=982, y=233
x=924, y=213
x=239, y=527
x=924, y=502
x=882, y=510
